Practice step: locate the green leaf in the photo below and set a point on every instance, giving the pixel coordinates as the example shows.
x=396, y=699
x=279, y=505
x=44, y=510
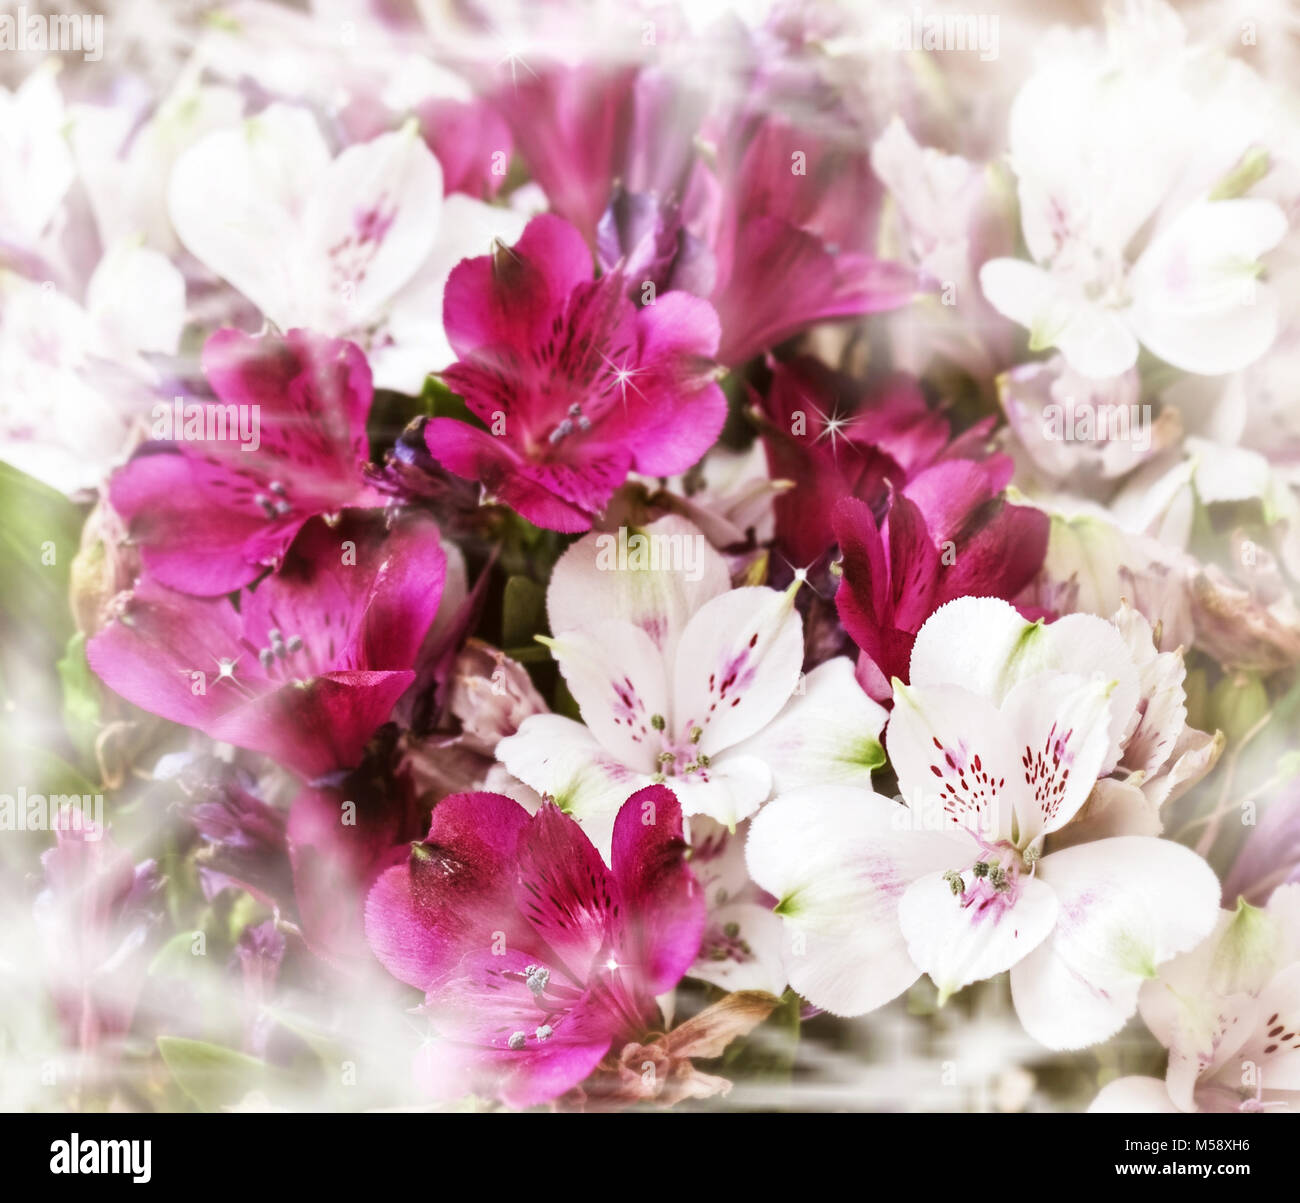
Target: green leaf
x=215, y=1077
x=523, y=611
x=321, y=1042
x=40, y=531
x=81, y=697
x=45, y=772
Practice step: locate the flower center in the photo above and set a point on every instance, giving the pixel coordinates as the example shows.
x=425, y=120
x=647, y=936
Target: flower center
x=992, y=880
x=678, y=756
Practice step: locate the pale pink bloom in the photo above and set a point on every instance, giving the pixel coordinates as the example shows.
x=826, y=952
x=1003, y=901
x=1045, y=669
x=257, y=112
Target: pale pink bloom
x=1229, y=1013
x=998, y=742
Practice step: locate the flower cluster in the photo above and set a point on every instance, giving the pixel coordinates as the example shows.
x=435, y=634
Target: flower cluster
x=588, y=555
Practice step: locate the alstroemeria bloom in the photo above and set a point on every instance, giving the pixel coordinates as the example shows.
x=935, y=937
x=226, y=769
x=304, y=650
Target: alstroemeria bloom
x=73, y=374
x=947, y=534
x=832, y=438
x=576, y=385
x=1229, y=1014
x=35, y=151
x=94, y=919
x=682, y=679
x=997, y=743
x=358, y=245
x=1190, y=295
x=210, y=515
x=312, y=661
x=799, y=206
x=536, y=957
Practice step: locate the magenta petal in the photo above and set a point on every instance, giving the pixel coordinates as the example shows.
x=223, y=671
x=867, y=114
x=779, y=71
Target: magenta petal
x=188, y=539
x=528, y=490
x=863, y=598
x=211, y=515
x=949, y=492
x=336, y=862
x=564, y=890
x=817, y=284
x=571, y=124
x=485, y=1002
x=508, y=298
x=453, y=893
x=165, y=651
x=676, y=414
x=465, y=137
x=313, y=395
x=1001, y=556
x=319, y=725
x=913, y=563
x=358, y=595
x=662, y=912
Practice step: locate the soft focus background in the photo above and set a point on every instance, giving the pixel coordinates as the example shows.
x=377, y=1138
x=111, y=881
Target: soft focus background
x=156, y=968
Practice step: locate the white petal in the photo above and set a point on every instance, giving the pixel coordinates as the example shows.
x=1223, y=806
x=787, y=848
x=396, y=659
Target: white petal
x=617, y=678
x=1277, y=1052
x=562, y=761
x=1127, y=905
x=657, y=584
x=411, y=341
x=737, y=664
x=958, y=944
x=1095, y=342
x=1135, y=1095
x=827, y=735
x=35, y=161
x=1196, y=302
x=984, y=645
x=1061, y=722
x=1201, y=1025
x=370, y=225
x=1019, y=290
x=1113, y=808
x=731, y=789
x=138, y=299
x=238, y=197
x=953, y=755
x=746, y=957
x=971, y=642
x=839, y=859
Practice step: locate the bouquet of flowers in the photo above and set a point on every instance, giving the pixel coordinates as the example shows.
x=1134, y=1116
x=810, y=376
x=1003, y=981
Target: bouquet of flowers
x=649, y=555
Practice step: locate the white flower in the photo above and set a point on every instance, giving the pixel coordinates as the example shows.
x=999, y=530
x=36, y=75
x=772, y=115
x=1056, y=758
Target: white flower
x=1100, y=151
x=1229, y=1014
x=998, y=742
x=35, y=162
x=358, y=246
x=72, y=377
x=682, y=679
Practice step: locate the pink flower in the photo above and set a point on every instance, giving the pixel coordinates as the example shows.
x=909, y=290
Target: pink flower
x=834, y=438
x=311, y=662
x=340, y=840
x=576, y=386
x=947, y=534
x=584, y=128
x=209, y=516
x=465, y=137
x=94, y=917
x=536, y=958
x=794, y=233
